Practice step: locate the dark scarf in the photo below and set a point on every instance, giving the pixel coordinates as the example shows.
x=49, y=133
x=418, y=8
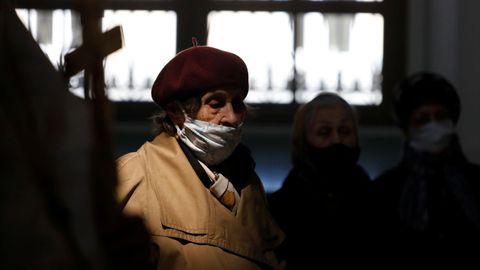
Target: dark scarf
x=447, y=172
x=327, y=168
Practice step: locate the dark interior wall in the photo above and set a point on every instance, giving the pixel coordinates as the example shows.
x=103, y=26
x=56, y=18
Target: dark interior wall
x=468, y=76
x=442, y=36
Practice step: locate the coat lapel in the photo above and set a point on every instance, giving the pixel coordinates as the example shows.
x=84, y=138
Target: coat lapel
x=187, y=209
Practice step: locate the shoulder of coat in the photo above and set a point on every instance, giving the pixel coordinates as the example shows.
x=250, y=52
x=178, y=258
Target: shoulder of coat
x=126, y=159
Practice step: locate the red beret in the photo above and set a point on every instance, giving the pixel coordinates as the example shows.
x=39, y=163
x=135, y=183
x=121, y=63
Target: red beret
x=197, y=69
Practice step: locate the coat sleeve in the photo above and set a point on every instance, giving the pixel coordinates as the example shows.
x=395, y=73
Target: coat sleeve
x=131, y=184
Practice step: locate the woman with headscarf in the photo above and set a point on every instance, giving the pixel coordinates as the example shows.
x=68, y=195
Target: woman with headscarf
x=322, y=205
x=195, y=185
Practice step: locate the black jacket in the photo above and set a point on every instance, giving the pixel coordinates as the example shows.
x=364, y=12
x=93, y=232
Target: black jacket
x=428, y=209
x=323, y=214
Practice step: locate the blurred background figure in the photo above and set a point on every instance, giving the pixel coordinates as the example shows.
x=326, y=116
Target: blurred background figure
x=57, y=204
x=322, y=205
x=428, y=203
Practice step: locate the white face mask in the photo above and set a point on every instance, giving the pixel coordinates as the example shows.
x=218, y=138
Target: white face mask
x=432, y=137
x=211, y=143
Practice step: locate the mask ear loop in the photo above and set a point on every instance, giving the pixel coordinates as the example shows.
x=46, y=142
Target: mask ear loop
x=185, y=116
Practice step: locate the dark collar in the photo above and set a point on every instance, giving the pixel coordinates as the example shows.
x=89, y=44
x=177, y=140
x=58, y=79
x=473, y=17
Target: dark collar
x=195, y=164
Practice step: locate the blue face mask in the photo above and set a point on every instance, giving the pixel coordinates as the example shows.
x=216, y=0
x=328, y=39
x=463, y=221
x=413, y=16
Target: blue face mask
x=433, y=137
x=211, y=143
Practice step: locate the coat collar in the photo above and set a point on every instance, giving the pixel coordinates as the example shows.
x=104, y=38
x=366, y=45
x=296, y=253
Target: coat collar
x=189, y=211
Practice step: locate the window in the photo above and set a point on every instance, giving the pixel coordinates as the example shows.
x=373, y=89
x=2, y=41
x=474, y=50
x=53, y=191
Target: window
x=269, y=57
x=339, y=53
x=294, y=49
x=353, y=48
x=149, y=42
x=149, y=38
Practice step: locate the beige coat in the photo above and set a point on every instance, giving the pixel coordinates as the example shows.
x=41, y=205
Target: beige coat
x=192, y=229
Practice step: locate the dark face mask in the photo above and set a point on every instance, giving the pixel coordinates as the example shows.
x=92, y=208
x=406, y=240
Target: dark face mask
x=333, y=156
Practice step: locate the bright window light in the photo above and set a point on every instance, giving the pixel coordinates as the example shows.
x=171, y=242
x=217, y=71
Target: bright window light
x=340, y=53
x=149, y=38
x=264, y=40
x=149, y=43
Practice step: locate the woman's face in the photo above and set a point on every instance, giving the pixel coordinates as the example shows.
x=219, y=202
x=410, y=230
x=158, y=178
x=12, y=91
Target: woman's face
x=427, y=113
x=332, y=125
x=222, y=106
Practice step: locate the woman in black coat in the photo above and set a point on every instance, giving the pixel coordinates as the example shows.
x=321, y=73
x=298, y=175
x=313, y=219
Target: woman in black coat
x=322, y=204
x=428, y=205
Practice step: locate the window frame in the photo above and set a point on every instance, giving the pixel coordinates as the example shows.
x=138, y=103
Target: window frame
x=192, y=21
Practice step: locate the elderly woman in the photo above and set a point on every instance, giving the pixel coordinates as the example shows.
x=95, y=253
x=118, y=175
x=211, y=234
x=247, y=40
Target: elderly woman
x=429, y=203
x=194, y=185
x=323, y=201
